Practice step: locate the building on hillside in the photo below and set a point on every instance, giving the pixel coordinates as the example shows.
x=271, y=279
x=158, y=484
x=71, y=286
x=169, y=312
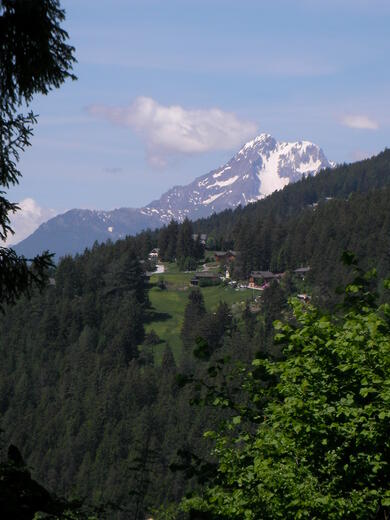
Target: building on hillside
x=225, y=256
x=205, y=278
x=305, y=298
x=154, y=254
x=258, y=279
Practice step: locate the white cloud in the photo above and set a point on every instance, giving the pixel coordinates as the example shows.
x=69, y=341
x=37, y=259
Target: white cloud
x=359, y=121
x=174, y=129
x=27, y=220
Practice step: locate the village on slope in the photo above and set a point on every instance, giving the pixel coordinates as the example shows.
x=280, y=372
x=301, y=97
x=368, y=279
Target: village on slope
x=218, y=266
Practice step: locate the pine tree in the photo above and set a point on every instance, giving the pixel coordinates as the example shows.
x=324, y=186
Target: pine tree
x=127, y=275
x=185, y=242
x=34, y=58
x=194, y=312
x=173, y=231
x=168, y=361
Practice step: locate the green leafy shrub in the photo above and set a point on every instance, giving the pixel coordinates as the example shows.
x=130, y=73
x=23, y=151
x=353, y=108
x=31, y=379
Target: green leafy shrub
x=319, y=445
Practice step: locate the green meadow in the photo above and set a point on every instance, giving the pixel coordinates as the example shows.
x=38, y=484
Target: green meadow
x=167, y=306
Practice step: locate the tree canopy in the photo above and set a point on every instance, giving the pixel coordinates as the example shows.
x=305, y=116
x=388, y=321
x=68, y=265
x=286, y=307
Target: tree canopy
x=34, y=58
x=318, y=446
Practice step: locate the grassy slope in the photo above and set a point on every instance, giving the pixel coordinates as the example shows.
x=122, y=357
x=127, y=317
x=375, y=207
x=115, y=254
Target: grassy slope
x=168, y=306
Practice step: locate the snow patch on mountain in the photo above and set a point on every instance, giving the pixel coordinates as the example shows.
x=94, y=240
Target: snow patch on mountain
x=212, y=198
x=223, y=183
x=260, y=167
x=269, y=177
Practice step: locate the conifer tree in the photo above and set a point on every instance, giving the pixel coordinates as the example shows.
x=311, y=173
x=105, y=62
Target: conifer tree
x=315, y=444
x=127, y=275
x=194, y=312
x=168, y=361
x=185, y=242
x=34, y=59
x=167, y=241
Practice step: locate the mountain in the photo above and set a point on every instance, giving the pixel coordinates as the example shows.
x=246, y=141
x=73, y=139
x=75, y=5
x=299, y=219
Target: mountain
x=77, y=229
x=260, y=167
x=84, y=403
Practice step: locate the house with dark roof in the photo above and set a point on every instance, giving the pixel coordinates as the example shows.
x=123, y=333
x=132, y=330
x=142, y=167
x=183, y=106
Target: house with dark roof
x=204, y=278
x=225, y=256
x=261, y=279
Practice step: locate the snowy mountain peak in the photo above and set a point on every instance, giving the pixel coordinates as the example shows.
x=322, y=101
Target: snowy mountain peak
x=258, y=140
x=260, y=167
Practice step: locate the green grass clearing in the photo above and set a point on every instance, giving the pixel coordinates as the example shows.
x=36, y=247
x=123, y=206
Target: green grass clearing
x=168, y=307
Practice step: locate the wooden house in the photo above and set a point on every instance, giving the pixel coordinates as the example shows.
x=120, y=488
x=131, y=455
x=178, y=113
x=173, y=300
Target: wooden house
x=223, y=257
x=259, y=278
x=205, y=278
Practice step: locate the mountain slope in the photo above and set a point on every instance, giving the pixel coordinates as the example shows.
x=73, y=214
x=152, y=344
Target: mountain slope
x=77, y=229
x=83, y=413
x=312, y=222
x=262, y=166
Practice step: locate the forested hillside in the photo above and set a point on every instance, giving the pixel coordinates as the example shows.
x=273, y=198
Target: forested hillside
x=316, y=236
x=81, y=394
x=339, y=182
x=311, y=222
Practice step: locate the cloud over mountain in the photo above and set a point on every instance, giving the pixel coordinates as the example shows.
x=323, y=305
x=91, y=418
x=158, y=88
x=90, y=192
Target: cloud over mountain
x=174, y=129
x=360, y=122
x=27, y=219
x=260, y=167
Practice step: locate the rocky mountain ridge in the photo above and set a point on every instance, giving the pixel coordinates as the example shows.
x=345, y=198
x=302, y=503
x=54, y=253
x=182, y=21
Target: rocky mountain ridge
x=260, y=167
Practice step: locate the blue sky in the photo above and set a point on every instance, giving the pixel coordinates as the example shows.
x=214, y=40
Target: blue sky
x=169, y=89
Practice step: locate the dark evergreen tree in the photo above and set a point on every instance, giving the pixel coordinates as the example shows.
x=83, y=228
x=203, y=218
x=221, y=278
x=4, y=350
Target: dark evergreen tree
x=249, y=319
x=185, y=242
x=194, y=312
x=198, y=248
x=168, y=361
x=127, y=275
x=167, y=241
x=34, y=58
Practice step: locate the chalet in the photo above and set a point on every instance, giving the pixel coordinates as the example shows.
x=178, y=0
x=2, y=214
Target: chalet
x=205, y=277
x=260, y=278
x=154, y=253
x=225, y=256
